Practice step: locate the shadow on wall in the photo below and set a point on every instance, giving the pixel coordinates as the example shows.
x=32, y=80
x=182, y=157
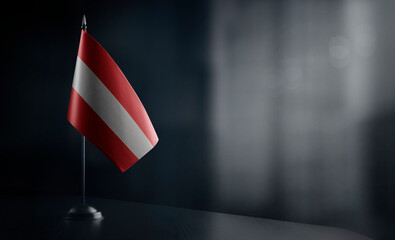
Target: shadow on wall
x=381, y=169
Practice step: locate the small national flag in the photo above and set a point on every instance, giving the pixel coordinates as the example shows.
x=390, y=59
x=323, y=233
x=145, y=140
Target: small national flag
x=106, y=110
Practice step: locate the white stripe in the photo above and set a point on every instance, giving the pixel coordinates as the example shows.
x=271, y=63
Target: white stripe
x=103, y=102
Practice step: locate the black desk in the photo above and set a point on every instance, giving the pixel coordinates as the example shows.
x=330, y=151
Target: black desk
x=41, y=218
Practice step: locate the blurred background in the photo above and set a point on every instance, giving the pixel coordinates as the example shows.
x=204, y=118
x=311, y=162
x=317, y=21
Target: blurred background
x=279, y=109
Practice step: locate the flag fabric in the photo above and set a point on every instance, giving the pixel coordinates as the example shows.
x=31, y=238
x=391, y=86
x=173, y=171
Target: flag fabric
x=106, y=110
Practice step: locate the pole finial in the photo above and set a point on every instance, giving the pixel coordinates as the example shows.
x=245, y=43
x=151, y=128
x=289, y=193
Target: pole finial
x=84, y=26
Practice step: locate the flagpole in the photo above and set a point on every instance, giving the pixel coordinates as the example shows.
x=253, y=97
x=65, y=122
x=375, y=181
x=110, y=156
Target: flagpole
x=83, y=211
x=83, y=168
x=83, y=27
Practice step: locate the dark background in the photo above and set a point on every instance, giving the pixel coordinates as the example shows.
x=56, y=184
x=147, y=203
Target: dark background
x=276, y=109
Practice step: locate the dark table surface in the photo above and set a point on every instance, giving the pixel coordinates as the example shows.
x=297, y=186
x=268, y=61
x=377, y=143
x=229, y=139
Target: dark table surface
x=41, y=218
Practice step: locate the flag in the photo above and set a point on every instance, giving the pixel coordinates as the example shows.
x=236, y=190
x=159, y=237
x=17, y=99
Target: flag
x=106, y=110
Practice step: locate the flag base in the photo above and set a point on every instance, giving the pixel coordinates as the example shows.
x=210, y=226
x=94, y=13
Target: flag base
x=83, y=212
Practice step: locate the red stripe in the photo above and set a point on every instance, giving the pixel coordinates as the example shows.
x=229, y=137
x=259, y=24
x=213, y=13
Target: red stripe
x=89, y=124
x=104, y=67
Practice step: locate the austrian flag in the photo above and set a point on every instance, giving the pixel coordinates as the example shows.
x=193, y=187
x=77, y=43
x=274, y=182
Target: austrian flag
x=106, y=110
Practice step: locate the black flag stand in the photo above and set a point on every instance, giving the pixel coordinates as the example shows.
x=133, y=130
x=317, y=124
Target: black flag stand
x=83, y=211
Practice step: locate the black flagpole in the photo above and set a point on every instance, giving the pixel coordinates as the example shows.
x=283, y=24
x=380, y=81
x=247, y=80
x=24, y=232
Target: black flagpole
x=83, y=211
x=83, y=168
x=83, y=27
